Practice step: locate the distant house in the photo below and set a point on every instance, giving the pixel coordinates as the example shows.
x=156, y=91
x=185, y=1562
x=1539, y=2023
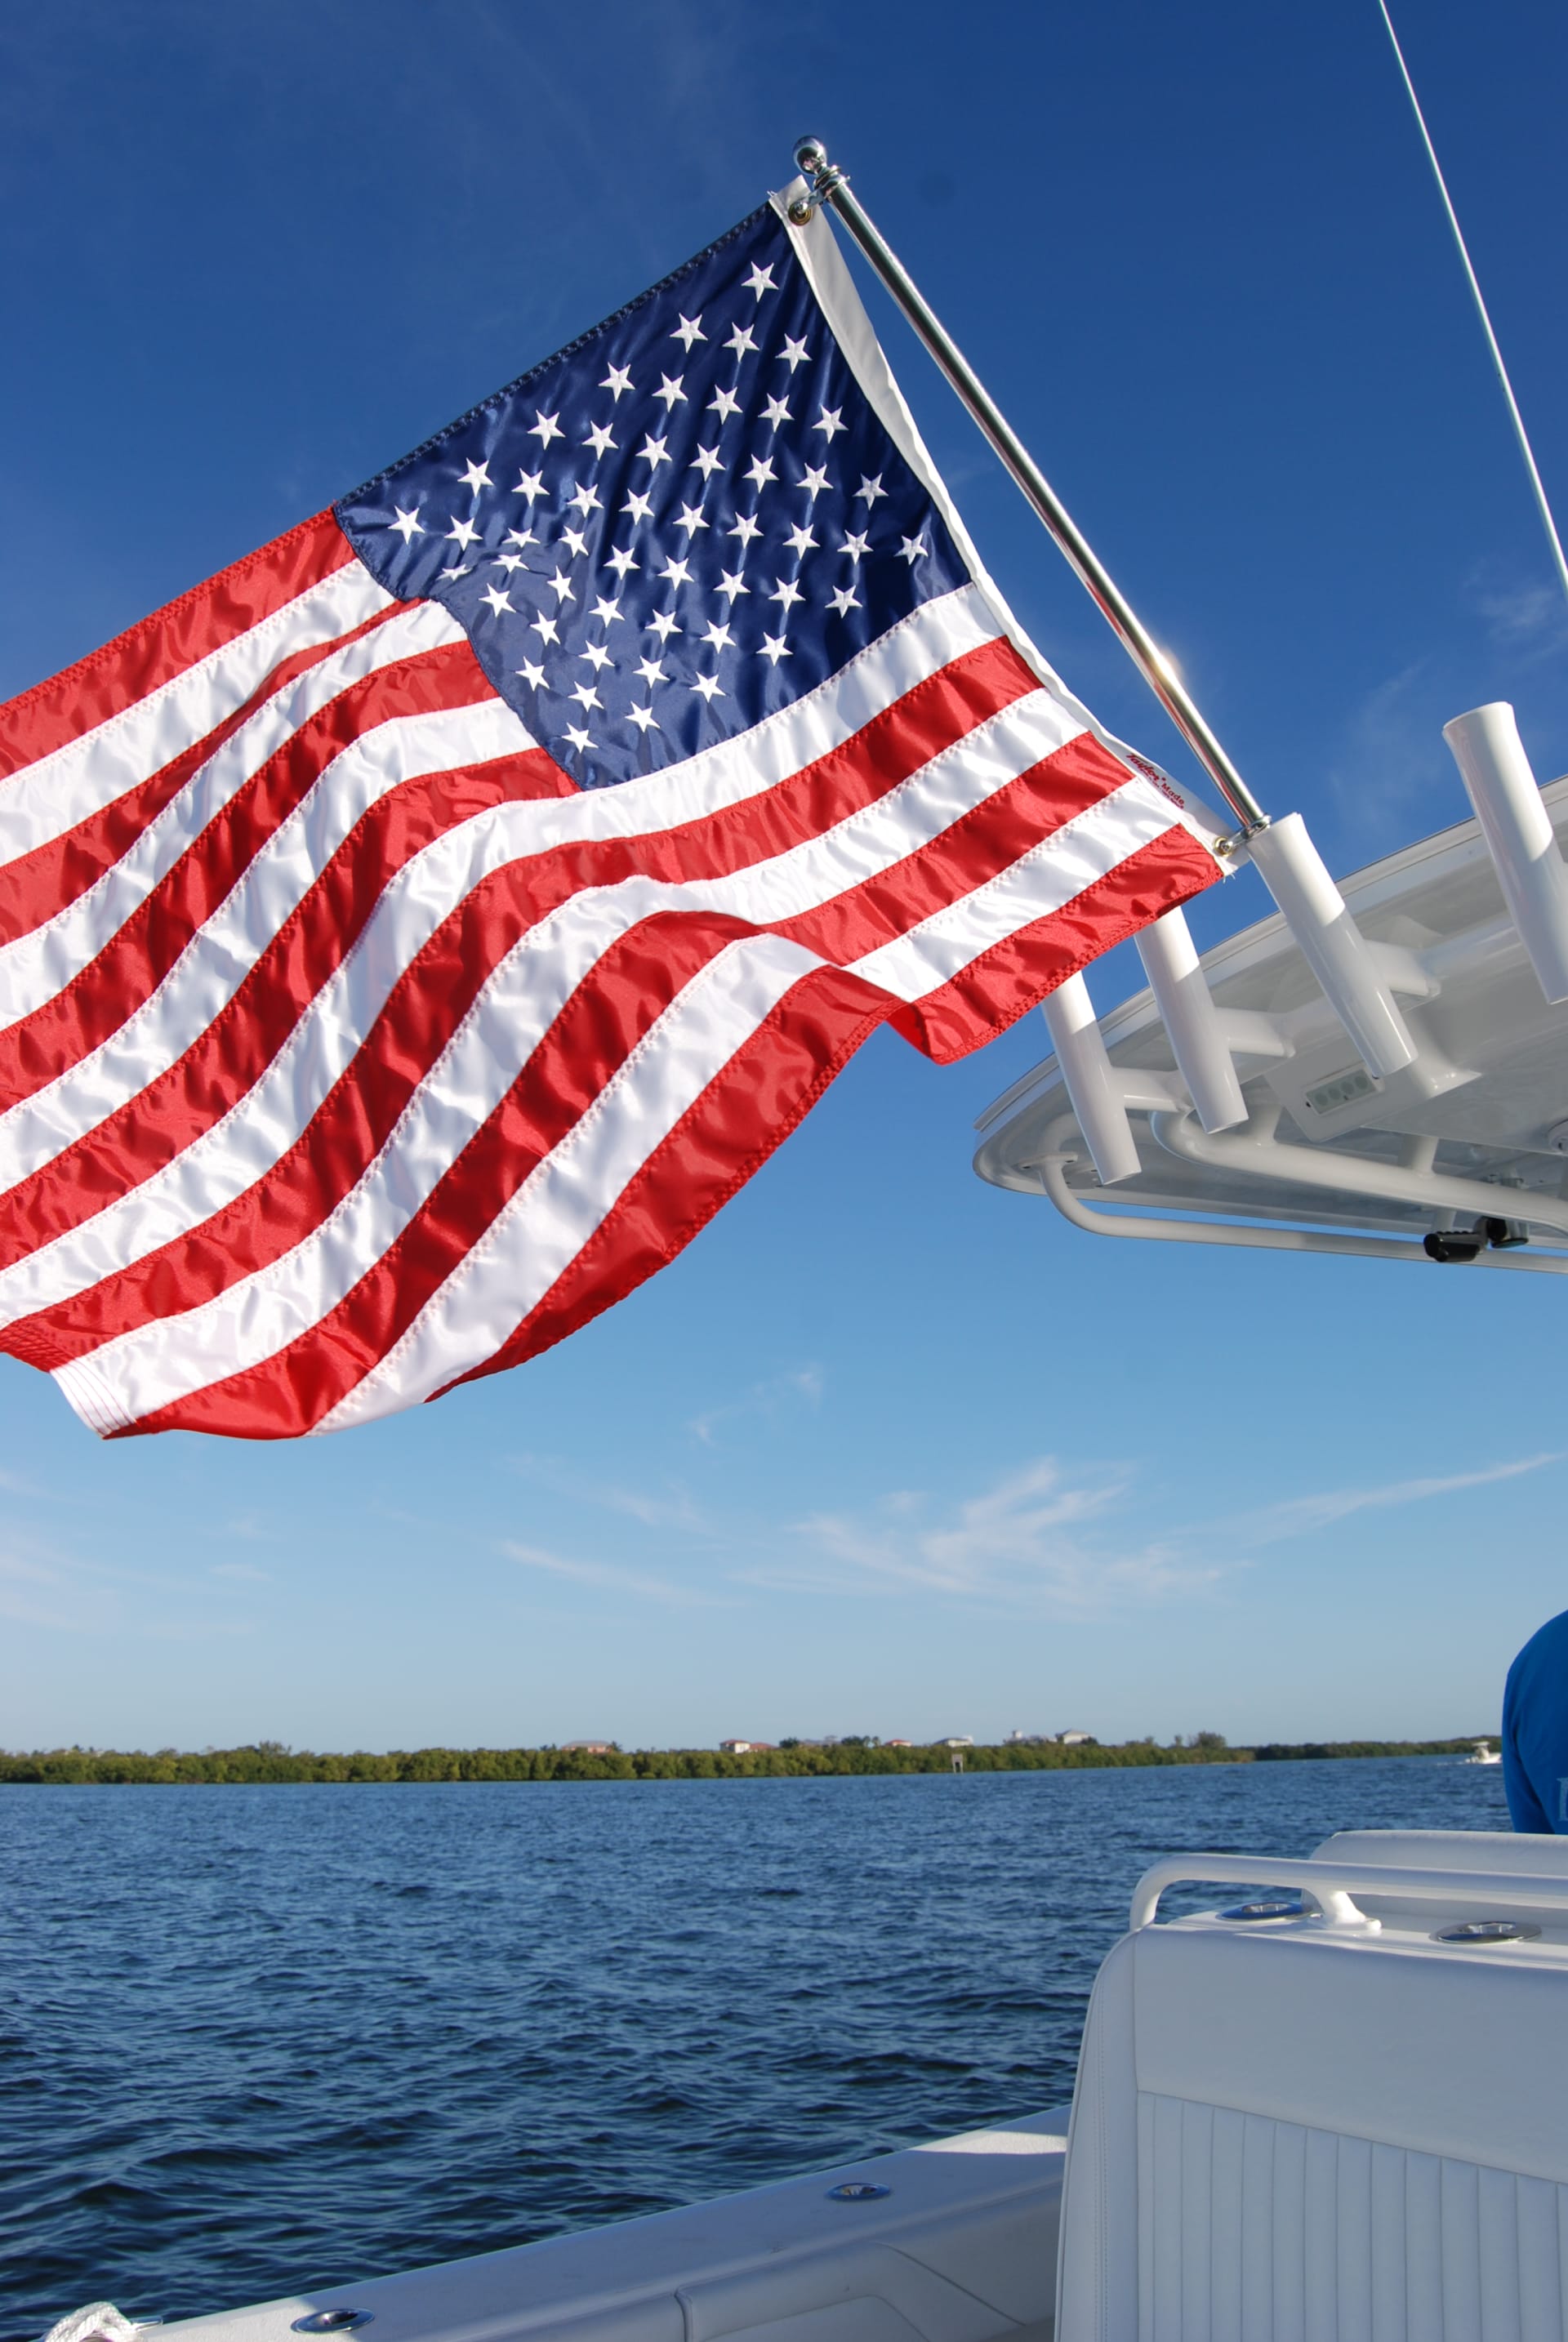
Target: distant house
x=1073, y=1739
x=898, y=1744
x=586, y=1747
x=748, y=1748
x=963, y=1740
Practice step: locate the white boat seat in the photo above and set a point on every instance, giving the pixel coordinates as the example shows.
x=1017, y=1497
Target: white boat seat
x=1450, y=1850
x=1307, y=2130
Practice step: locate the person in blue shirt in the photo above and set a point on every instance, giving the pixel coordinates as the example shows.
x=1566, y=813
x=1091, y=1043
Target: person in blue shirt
x=1535, y=1731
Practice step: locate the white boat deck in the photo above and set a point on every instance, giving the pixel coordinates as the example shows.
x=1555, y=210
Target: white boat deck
x=962, y=2247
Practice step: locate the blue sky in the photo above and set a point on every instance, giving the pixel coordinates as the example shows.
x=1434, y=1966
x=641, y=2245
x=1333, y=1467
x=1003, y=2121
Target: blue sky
x=886, y=1450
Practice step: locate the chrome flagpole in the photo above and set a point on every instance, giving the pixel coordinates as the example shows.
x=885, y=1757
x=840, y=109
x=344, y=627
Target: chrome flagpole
x=1289, y=863
x=830, y=185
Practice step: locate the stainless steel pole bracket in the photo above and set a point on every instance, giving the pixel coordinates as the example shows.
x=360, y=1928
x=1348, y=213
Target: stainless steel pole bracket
x=821, y=177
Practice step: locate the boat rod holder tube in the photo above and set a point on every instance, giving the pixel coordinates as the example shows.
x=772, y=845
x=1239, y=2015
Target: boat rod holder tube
x=1332, y=944
x=1192, y=1022
x=1334, y=951
x=1519, y=836
x=1093, y=1088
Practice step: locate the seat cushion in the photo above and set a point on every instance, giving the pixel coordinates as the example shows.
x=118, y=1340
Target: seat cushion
x=1309, y=2133
x=1541, y=1857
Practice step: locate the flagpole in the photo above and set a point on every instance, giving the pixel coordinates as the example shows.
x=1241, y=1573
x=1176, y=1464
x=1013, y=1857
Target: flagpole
x=830, y=185
x=1284, y=856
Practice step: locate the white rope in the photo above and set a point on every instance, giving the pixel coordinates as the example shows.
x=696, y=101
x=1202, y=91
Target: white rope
x=1523, y=437
x=99, y=2322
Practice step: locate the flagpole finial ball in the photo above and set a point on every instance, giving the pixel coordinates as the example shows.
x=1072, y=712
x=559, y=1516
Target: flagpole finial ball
x=810, y=157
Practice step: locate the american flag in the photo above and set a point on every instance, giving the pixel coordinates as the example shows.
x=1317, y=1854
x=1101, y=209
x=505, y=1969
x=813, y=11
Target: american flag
x=415, y=933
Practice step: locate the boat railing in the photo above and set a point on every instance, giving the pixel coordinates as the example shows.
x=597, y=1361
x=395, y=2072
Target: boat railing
x=1334, y=1885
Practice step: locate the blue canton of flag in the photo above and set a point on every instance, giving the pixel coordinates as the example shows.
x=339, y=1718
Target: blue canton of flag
x=681, y=523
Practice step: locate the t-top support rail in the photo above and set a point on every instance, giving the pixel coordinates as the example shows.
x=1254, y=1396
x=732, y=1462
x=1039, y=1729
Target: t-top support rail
x=1333, y=1885
x=829, y=184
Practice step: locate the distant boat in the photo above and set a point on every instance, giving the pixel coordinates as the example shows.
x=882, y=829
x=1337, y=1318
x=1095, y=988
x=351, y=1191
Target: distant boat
x=1484, y=1755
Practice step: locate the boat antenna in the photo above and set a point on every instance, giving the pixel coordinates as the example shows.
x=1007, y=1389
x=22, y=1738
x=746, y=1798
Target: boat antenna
x=1547, y=521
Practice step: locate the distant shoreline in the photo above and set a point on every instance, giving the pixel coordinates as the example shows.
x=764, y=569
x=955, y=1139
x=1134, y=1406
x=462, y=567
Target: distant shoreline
x=267, y=1761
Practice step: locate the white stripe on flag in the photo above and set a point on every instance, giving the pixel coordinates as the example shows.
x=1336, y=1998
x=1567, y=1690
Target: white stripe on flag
x=729, y=774
x=226, y=1160
x=216, y=961
x=566, y=1197
x=155, y=1365
x=876, y=837
x=43, y=800
x=510, y=1017
x=38, y=965
x=1045, y=880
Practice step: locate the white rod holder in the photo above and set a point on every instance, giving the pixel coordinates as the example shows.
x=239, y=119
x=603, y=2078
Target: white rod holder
x=1519, y=836
x=1331, y=944
x=1093, y=1090
x=1192, y=1022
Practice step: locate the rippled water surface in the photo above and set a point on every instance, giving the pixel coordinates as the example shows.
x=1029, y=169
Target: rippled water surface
x=255, y=2039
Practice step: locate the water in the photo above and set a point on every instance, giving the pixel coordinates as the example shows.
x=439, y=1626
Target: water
x=256, y=2039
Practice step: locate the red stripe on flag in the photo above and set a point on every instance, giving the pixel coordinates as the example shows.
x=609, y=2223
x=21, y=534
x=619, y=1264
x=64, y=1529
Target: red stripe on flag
x=978, y=847
x=887, y=751
x=133, y=962
x=151, y=1128
x=153, y=652
x=435, y=993
x=724, y=1136
x=629, y=989
x=35, y=887
x=996, y=988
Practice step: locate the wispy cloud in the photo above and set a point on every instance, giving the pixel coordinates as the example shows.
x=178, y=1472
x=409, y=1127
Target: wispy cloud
x=606, y=1575
x=195, y=1630
x=1393, y=738
x=1033, y=1541
x=1300, y=1515
x=663, y=1509
x=250, y=1525
x=1528, y=619
x=242, y=1572
x=42, y=1585
x=1055, y=1539
x=800, y=1385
